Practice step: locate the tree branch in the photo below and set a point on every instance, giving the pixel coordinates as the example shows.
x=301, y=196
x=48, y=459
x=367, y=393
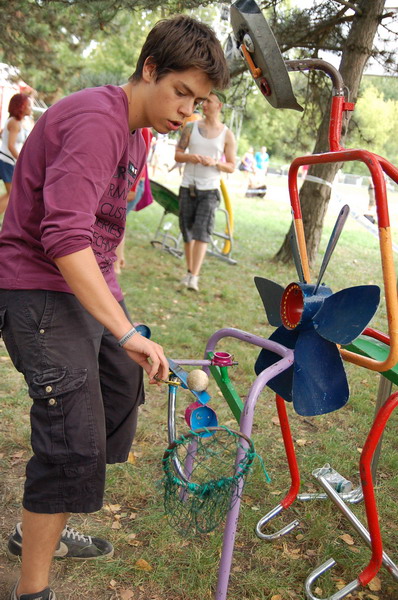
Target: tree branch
x=350, y=5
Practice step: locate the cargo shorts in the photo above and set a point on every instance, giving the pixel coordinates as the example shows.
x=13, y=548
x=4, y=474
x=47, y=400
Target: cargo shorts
x=197, y=210
x=85, y=393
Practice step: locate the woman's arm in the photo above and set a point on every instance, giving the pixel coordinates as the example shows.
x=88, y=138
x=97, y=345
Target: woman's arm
x=14, y=127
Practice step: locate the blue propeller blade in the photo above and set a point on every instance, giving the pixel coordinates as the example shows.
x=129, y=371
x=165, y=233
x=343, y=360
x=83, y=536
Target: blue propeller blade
x=319, y=380
x=344, y=315
x=271, y=295
x=281, y=384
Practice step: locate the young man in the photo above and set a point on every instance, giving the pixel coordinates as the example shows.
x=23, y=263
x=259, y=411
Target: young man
x=62, y=315
x=208, y=141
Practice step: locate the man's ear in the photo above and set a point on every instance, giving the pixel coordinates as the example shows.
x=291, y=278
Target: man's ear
x=149, y=70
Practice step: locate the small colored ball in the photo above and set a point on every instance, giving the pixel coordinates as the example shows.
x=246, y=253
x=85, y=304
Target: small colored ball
x=197, y=380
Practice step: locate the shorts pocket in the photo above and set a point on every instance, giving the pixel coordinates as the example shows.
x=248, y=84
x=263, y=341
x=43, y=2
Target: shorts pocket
x=61, y=416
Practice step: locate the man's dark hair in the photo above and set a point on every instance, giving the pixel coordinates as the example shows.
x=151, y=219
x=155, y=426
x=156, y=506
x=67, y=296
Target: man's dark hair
x=181, y=43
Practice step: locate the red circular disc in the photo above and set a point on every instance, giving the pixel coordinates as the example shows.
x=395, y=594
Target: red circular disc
x=292, y=306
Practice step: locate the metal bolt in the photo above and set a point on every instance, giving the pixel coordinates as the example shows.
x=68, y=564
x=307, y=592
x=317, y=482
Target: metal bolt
x=248, y=42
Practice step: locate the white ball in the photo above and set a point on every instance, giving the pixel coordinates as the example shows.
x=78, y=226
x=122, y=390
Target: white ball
x=197, y=380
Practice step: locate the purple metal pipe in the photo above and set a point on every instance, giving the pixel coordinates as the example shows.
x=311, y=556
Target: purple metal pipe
x=244, y=336
x=246, y=423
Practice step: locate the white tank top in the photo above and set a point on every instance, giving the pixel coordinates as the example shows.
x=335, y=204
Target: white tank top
x=204, y=178
x=5, y=154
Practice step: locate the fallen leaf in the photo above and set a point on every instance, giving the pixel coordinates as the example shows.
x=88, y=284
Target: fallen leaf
x=301, y=442
x=116, y=525
x=275, y=420
x=131, y=458
x=347, y=539
x=372, y=597
x=276, y=597
x=112, y=583
x=133, y=516
x=143, y=565
x=126, y=594
x=340, y=585
x=375, y=584
x=112, y=507
x=318, y=591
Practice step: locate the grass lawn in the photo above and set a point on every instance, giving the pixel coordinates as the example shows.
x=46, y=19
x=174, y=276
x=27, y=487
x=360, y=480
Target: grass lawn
x=152, y=562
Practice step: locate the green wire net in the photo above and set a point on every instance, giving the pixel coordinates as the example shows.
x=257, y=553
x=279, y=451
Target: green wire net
x=204, y=475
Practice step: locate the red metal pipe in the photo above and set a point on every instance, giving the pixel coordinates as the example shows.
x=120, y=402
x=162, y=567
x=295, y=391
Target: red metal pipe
x=365, y=469
x=290, y=453
x=336, y=122
x=370, y=159
x=377, y=335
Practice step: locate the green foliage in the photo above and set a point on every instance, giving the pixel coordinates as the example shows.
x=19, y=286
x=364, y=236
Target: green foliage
x=47, y=39
x=371, y=125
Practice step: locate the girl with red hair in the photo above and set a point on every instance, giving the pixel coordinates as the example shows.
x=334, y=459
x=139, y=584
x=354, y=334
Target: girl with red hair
x=13, y=137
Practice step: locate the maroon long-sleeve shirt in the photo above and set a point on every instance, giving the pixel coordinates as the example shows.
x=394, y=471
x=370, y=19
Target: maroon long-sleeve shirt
x=69, y=190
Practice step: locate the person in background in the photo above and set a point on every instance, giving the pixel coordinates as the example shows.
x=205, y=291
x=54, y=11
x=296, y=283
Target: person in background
x=14, y=135
x=211, y=151
x=262, y=161
x=63, y=318
x=196, y=116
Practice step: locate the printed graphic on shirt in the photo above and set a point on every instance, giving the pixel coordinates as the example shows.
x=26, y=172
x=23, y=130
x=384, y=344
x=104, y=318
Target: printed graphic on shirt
x=108, y=229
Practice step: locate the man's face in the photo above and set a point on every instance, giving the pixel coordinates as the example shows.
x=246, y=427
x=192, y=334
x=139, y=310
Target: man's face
x=211, y=106
x=174, y=97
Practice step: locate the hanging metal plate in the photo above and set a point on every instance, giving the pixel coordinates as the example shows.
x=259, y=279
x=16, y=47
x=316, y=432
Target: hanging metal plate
x=273, y=82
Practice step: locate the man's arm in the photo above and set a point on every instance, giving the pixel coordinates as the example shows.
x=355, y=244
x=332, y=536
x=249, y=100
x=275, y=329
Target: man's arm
x=230, y=154
x=180, y=155
x=83, y=275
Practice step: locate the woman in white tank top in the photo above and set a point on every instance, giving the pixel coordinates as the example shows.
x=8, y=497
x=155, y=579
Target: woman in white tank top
x=13, y=138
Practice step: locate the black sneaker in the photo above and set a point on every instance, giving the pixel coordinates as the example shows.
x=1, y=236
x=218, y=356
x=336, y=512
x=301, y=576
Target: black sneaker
x=46, y=594
x=72, y=544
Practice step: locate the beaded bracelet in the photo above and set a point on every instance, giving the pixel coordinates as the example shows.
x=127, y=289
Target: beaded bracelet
x=127, y=336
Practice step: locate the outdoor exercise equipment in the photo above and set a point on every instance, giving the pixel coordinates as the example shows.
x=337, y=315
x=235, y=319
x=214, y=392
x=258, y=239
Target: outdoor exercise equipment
x=312, y=321
x=250, y=39
x=166, y=240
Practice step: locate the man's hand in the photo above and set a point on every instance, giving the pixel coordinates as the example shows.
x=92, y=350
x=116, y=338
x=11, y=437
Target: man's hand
x=208, y=161
x=149, y=355
x=195, y=159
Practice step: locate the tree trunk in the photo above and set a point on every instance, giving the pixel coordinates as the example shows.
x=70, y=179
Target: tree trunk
x=314, y=197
